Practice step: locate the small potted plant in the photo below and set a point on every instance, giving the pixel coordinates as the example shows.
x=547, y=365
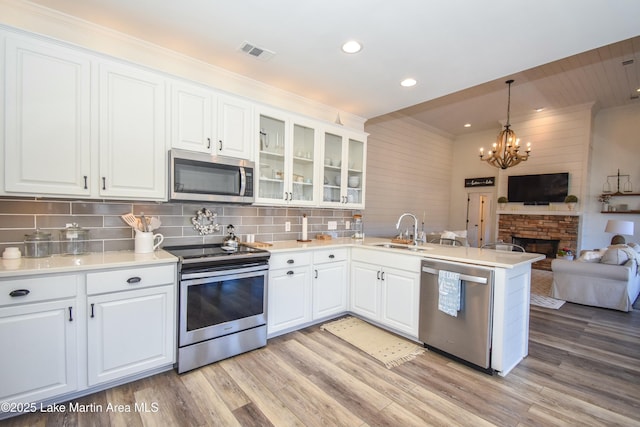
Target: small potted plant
x=502, y=202
x=565, y=253
x=571, y=201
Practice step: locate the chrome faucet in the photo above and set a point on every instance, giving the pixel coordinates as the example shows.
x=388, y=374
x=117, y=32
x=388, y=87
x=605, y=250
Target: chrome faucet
x=415, y=226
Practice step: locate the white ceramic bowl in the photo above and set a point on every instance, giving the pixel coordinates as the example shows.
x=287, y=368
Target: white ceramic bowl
x=354, y=181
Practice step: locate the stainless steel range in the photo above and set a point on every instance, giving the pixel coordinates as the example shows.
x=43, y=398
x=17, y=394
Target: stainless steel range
x=222, y=302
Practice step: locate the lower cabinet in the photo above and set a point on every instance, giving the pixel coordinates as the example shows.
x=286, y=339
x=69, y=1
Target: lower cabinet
x=289, y=292
x=384, y=293
x=39, y=335
x=330, y=281
x=131, y=321
x=129, y=332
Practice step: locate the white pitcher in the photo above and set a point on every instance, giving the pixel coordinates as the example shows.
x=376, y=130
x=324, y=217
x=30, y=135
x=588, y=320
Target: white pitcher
x=147, y=242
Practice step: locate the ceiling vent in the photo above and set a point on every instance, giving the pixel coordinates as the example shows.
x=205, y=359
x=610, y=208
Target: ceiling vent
x=256, y=52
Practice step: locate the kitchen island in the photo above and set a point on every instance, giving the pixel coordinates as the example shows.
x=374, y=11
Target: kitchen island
x=383, y=288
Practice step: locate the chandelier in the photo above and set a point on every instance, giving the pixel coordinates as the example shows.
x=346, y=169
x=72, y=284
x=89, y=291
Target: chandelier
x=506, y=150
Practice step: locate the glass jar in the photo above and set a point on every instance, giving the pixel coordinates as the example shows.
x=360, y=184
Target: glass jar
x=37, y=245
x=73, y=240
x=358, y=229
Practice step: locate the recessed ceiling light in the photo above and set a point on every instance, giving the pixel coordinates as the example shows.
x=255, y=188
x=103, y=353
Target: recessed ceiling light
x=467, y=125
x=351, y=46
x=539, y=109
x=408, y=82
x=638, y=90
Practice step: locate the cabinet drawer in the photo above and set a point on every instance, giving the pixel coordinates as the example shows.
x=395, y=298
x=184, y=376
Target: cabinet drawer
x=34, y=289
x=330, y=255
x=289, y=260
x=130, y=278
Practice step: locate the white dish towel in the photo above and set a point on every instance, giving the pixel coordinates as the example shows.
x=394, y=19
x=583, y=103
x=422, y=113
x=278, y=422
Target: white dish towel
x=449, y=292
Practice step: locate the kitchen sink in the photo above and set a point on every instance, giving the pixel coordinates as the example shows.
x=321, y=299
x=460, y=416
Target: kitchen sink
x=405, y=247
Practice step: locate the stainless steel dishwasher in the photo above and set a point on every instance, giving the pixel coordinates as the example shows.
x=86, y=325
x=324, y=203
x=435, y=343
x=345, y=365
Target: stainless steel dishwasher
x=466, y=334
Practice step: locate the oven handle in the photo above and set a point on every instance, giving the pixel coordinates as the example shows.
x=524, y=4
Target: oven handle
x=229, y=272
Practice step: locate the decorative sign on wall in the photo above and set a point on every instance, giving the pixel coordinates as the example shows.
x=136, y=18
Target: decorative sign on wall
x=488, y=181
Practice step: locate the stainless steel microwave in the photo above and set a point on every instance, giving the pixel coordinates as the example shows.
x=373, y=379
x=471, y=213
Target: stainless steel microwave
x=203, y=177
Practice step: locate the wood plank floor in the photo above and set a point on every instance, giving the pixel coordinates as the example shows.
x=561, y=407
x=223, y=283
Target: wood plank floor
x=583, y=369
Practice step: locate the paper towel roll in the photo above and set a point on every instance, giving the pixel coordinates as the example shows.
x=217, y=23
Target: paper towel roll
x=304, y=227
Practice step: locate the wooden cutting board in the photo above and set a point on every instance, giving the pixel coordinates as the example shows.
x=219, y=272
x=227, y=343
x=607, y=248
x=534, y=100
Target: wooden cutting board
x=257, y=244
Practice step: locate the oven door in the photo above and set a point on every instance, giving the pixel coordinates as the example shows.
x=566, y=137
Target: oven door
x=222, y=303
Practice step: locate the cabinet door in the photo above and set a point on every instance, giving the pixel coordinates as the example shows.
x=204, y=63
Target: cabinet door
x=355, y=161
x=332, y=176
x=365, y=290
x=329, y=289
x=289, y=298
x=303, y=164
x=235, y=136
x=192, y=115
x=400, y=296
x=132, y=133
x=130, y=332
x=39, y=356
x=272, y=161
x=47, y=119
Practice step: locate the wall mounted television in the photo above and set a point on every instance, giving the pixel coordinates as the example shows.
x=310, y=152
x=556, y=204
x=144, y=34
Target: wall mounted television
x=540, y=189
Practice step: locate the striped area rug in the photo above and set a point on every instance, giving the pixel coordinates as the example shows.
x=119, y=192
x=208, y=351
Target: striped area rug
x=541, y=289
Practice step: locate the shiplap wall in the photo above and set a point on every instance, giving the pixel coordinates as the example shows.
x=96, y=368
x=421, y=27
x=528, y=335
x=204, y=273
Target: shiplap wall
x=408, y=170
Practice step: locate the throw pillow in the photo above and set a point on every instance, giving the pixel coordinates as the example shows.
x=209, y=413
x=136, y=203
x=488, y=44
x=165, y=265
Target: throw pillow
x=615, y=256
x=635, y=246
x=590, y=256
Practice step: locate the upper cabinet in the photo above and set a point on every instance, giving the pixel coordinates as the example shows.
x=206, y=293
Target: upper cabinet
x=132, y=133
x=286, y=160
x=47, y=119
x=209, y=122
x=343, y=171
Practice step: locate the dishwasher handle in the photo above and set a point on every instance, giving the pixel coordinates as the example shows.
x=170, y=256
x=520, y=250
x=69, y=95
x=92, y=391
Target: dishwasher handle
x=465, y=277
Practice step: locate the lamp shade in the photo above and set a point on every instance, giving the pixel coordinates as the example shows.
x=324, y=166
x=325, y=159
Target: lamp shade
x=619, y=227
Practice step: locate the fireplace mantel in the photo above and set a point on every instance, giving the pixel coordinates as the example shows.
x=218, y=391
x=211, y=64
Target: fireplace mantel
x=563, y=212
x=550, y=225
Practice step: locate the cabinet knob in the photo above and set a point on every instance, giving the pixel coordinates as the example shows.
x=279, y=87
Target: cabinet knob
x=19, y=293
x=134, y=280
x=332, y=256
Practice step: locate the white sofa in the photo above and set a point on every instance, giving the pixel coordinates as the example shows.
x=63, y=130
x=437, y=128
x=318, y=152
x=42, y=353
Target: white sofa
x=596, y=278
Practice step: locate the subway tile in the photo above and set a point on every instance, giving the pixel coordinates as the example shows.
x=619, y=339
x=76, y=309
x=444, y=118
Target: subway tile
x=17, y=221
x=90, y=208
x=59, y=222
x=34, y=207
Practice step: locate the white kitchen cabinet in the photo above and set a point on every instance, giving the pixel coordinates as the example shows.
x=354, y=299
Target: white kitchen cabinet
x=39, y=331
x=131, y=321
x=132, y=133
x=210, y=122
x=235, y=127
x=330, y=282
x=47, y=119
x=343, y=173
x=385, y=288
x=289, y=294
x=287, y=160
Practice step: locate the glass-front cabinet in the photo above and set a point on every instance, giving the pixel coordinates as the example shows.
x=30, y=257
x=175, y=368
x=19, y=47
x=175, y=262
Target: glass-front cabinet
x=286, y=160
x=343, y=171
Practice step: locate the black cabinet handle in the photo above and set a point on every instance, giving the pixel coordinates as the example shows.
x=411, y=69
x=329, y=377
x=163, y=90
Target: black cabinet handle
x=290, y=273
x=378, y=275
x=286, y=196
x=290, y=261
x=208, y=143
x=316, y=273
x=92, y=313
x=220, y=141
x=104, y=183
x=19, y=293
x=134, y=280
x=290, y=196
x=332, y=256
x=70, y=314
x=85, y=182
x=382, y=276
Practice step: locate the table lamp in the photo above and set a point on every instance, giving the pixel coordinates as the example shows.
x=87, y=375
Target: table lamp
x=619, y=227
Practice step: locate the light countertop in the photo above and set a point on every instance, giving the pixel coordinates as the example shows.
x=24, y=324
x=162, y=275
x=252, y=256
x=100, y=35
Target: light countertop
x=71, y=264
x=465, y=254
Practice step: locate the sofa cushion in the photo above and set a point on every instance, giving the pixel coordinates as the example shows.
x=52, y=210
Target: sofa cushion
x=615, y=256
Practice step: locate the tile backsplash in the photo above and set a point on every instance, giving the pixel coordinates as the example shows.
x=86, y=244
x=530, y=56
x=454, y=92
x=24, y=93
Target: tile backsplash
x=109, y=232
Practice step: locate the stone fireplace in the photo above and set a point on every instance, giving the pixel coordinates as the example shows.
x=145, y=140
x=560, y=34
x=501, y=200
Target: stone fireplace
x=540, y=233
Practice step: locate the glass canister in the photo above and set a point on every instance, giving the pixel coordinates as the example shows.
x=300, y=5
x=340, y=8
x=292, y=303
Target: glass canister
x=358, y=228
x=37, y=245
x=74, y=240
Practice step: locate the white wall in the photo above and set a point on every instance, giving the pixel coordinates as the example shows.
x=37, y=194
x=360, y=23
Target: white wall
x=408, y=170
x=616, y=145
